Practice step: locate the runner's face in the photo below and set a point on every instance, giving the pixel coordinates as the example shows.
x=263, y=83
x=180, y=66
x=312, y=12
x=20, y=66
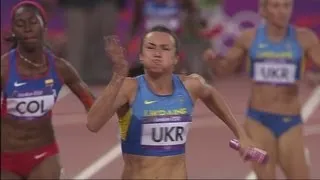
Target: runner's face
x=278, y=12
x=158, y=52
x=28, y=27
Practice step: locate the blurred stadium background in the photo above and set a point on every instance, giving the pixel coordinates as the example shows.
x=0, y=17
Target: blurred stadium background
x=76, y=28
x=75, y=32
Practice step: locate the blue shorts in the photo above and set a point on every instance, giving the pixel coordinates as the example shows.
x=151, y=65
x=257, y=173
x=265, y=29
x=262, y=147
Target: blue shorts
x=276, y=123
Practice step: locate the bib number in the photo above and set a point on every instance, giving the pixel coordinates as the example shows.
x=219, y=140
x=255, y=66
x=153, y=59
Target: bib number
x=30, y=106
x=274, y=72
x=165, y=134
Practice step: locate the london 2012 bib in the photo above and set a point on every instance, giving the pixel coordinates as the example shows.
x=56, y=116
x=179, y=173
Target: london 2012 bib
x=274, y=72
x=30, y=107
x=164, y=132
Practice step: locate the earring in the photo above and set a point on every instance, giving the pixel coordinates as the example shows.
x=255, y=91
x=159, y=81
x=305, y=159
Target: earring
x=13, y=35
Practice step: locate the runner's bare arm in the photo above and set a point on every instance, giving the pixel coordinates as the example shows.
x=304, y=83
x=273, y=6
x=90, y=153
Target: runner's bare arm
x=2, y=73
x=312, y=46
x=115, y=95
x=314, y=77
x=215, y=102
x=232, y=60
x=72, y=79
x=4, y=69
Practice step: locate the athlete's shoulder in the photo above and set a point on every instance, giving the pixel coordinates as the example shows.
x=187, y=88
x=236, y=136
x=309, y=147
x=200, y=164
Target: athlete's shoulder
x=62, y=65
x=304, y=30
x=60, y=62
x=195, y=77
x=131, y=81
x=246, y=37
x=65, y=70
x=4, y=57
x=196, y=86
x=4, y=68
x=4, y=63
x=306, y=37
x=129, y=88
x=194, y=80
x=249, y=32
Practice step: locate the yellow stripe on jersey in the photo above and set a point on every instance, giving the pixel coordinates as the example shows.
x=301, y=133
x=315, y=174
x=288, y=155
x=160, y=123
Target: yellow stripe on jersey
x=124, y=123
x=48, y=81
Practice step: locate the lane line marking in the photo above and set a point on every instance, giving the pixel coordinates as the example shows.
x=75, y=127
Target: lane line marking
x=101, y=162
x=311, y=104
x=63, y=93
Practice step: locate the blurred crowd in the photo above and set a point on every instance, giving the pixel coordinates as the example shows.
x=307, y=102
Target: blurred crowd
x=198, y=24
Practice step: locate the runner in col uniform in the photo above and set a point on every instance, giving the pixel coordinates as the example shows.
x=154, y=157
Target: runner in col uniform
x=31, y=79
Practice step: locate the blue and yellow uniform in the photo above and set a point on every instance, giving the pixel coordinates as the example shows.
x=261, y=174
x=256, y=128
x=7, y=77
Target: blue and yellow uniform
x=157, y=125
x=278, y=64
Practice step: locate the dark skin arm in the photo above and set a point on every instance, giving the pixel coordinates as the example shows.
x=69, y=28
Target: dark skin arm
x=4, y=69
x=72, y=79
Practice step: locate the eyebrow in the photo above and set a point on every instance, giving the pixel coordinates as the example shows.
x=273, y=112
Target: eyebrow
x=18, y=17
x=150, y=43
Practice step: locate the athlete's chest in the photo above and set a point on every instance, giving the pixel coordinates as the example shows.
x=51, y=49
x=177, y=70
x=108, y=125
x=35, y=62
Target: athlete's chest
x=276, y=63
x=164, y=121
x=30, y=98
x=150, y=105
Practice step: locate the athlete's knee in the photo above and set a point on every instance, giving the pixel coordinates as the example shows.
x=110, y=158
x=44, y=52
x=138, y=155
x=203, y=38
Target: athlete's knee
x=297, y=169
x=265, y=171
x=301, y=173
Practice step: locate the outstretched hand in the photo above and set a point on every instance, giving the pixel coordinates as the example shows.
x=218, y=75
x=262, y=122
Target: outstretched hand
x=117, y=54
x=209, y=55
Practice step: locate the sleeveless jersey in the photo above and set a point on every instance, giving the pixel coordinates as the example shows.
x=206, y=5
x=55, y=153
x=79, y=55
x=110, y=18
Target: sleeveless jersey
x=26, y=98
x=276, y=63
x=157, y=125
x=166, y=14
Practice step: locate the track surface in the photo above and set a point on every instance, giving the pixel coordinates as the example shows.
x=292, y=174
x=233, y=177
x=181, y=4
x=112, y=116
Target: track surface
x=208, y=154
